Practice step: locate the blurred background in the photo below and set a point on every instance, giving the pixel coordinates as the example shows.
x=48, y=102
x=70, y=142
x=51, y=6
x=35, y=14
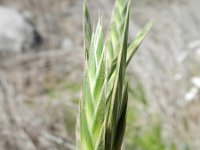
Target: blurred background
x=41, y=67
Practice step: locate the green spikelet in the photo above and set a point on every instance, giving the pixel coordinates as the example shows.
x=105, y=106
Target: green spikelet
x=116, y=30
x=103, y=104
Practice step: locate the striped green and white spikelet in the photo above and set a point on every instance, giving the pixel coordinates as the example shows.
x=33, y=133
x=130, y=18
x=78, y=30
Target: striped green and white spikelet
x=103, y=105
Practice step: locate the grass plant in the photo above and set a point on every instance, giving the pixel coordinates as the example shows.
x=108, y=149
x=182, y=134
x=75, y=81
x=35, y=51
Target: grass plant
x=103, y=104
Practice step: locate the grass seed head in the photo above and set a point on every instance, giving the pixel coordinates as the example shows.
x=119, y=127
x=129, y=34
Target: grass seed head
x=103, y=103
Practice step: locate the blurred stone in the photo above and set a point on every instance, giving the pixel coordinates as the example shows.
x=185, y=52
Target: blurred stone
x=67, y=44
x=17, y=34
x=196, y=81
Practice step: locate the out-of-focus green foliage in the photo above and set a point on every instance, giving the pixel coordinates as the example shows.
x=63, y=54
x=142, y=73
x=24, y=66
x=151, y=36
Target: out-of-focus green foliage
x=144, y=130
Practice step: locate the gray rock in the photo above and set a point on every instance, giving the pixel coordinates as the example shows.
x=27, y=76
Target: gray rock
x=67, y=44
x=17, y=34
